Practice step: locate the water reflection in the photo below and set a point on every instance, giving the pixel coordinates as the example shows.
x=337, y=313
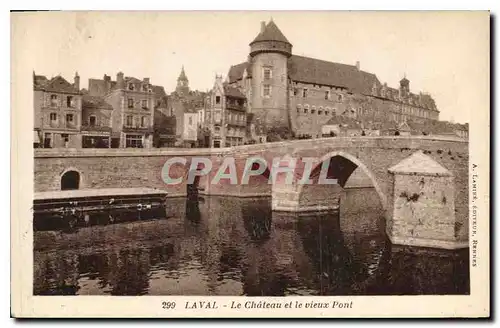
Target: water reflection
x=230, y=246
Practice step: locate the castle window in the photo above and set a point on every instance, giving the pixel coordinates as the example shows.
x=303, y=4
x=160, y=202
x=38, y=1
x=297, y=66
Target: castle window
x=217, y=100
x=266, y=90
x=304, y=93
x=327, y=94
x=130, y=102
x=267, y=73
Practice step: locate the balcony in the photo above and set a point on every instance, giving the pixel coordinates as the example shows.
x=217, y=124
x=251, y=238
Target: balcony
x=137, y=129
x=70, y=125
x=236, y=106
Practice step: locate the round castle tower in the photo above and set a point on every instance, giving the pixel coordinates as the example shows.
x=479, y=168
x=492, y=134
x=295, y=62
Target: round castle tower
x=269, y=53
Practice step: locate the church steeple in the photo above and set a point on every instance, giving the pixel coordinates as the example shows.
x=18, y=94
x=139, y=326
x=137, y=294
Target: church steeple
x=182, y=83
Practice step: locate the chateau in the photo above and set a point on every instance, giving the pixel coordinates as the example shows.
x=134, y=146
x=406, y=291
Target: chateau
x=273, y=95
x=298, y=95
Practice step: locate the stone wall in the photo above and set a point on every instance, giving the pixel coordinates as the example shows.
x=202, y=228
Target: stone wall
x=271, y=111
x=106, y=168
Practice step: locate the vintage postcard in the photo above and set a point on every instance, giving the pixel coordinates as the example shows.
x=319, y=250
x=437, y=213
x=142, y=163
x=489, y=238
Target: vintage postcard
x=250, y=164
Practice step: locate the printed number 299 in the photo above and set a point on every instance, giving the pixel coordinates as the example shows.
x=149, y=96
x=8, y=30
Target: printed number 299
x=168, y=305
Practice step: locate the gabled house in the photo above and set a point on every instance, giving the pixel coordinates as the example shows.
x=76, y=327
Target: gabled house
x=57, y=112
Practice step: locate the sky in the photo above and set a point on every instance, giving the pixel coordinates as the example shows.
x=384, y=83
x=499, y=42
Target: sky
x=443, y=53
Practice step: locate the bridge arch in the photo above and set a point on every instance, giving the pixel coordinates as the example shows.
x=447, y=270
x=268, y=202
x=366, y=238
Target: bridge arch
x=70, y=179
x=356, y=162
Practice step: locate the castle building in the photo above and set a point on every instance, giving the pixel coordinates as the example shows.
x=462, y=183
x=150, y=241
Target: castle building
x=297, y=95
x=57, y=112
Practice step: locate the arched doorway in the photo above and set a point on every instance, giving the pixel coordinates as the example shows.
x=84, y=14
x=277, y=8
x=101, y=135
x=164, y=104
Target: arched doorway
x=70, y=180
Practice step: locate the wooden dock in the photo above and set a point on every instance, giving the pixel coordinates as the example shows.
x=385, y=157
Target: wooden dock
x=56, y=210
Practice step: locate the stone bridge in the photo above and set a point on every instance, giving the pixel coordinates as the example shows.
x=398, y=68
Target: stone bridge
x=438, y=184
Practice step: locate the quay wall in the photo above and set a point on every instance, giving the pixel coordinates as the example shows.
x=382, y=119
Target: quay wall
x=120, y=168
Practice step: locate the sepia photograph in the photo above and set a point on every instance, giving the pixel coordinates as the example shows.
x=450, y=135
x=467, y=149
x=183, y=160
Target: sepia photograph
x=254, y=158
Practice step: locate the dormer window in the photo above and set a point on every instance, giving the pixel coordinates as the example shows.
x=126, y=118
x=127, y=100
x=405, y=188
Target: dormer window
x=217, y=100
x=131, y=86
x=340, y=98
x=304, y=93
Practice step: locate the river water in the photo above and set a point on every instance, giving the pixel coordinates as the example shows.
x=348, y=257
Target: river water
x=233, y=246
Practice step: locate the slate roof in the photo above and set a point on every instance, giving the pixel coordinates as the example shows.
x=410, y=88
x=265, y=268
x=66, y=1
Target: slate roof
x=421, y=164
x=422, y=100
x=271, y=32
x=39, y=81
x=98, y=86
x=236, y=72
x=435, y=127
x=233, y=92
x=316, y=71
x=95, y=102
x=344, y=121
x=159, y=91
x=182, y=76
x=56, y=84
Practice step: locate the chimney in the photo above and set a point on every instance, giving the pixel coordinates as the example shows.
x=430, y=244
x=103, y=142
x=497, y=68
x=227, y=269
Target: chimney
x=357, y=65
x=120, y=83
x=262, y=26
x=76, y=80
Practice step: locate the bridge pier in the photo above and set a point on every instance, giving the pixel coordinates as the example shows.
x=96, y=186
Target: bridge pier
x=421, y=211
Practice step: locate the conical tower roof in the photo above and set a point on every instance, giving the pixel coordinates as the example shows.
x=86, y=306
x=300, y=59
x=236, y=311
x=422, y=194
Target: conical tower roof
x=271, y=32
x=182, y=76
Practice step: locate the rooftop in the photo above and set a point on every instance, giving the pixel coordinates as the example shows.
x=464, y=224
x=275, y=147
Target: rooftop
x=95, y=102
x=55, y=84
x=421, y=164
x=270, y=32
